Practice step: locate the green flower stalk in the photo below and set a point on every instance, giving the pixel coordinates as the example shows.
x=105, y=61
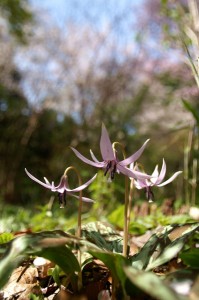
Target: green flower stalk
x=112, y=165
x=63, y=189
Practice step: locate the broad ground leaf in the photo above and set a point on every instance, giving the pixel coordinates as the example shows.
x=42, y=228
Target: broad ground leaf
x=49, y=244
x=103, y=236
x=166, y=255
x=190, y=257
x=184, y=282
x=141, y=259
x=115, y=263
x=65, y=259
x=62, y=256
x=151, y=284
x=12, y=257
x=171, y=243
x=163, y=246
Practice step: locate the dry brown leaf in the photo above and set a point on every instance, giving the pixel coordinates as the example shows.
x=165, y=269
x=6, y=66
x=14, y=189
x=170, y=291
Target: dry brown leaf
x=141, y=240
x=177, y=232
x=22, y=282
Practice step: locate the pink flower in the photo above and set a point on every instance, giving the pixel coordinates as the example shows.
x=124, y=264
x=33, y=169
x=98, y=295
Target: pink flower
x=110, y=162
x=155, y=180
x=63, y=188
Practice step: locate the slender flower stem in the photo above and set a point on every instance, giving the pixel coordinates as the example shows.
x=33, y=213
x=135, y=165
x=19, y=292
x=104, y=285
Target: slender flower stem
x=126, y=205
x=130, y=201
x=78, y=232
x=126, y=223
x=131, y=194
x=194, y=167
x=187, y=151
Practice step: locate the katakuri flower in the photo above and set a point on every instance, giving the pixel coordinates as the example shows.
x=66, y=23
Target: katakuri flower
x=155, y=180
x=110, y=163
x=63, y=188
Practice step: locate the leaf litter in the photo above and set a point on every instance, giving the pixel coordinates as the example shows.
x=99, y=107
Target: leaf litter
x=166, y=252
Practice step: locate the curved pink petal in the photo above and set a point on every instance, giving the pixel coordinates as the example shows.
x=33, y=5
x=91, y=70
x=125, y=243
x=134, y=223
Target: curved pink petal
x=85, y=199
x=154, y=175
x=140, y=184
x=155, y=172
x=135, y=156
x=46, y=185
x=81, y=187
x=88, y=161
x=162, y=173
x=46, y=180
x=131, y=173
x=106, y=146
x=170, y=179
x=61, y=187
x=93, y=156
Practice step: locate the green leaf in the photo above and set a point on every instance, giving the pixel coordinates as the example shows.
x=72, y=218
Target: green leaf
x=163, y=246
x=36, y=297
x=150, y=284
x=191, y=109
x=13, y=256
x=192, y=65
x=102, y=236
x=115, y=263
x=167, y=254
x=190, y=257
x=136, y=228
x=117, y=217
x=6, y=237
x=141, y=259
x=62, y=256
x=55, y=273
x=183, y=281
x=49, y=244
x=170, y=243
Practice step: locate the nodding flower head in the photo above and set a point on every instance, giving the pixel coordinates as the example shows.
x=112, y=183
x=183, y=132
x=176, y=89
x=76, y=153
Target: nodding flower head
x=110, y=162
x=156, y=179
x=63, y=187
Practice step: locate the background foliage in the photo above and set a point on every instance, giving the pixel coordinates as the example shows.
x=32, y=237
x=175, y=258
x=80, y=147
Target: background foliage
x=60, y=82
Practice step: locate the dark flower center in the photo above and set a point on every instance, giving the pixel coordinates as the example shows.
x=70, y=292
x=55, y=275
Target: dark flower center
x=111, y=168
x=149, y=194
x=62, y=199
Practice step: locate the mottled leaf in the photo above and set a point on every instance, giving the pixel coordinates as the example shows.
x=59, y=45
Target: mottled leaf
x=103, y=236
x=141, y=259
x=152, y=285
x=171, y=243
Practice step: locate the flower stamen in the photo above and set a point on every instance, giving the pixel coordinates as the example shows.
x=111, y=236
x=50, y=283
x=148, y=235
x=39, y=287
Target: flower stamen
x=62, y=199
x=149, y=194
x=111, y=168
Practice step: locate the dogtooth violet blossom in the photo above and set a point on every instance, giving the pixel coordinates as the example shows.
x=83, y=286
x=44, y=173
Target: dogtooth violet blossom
x=155, y=180
x=110, y=162
x=63, y=188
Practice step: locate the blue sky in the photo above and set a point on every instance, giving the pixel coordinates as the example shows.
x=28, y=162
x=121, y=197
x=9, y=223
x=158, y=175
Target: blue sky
x=78, y=10
x=119, y=14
